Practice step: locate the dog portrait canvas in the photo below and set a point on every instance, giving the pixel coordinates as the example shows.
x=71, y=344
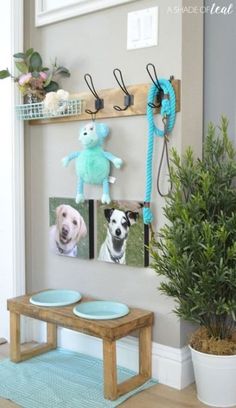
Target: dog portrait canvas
x=71, y=230
x=122, y=236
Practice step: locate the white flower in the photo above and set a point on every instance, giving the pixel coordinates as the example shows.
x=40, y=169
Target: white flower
x=51, y=103
x=56, y=102
x=63, y=95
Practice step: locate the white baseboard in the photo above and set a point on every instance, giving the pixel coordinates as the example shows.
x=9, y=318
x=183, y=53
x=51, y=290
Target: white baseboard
x=170, y=366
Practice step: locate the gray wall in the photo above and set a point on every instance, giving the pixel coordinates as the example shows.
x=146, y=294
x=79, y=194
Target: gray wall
x=220, y=67
x=96, y=43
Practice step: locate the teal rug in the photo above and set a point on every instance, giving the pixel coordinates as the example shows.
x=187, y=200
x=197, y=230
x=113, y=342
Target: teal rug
x=59, y=379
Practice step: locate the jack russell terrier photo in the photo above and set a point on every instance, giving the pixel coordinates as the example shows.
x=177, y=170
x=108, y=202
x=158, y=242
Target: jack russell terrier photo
x=67, y=232
x=113, y=248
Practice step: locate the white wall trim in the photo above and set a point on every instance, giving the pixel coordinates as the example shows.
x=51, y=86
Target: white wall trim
x=18, y=195
x=12, y=237
x=44, y=16
x=171, y=366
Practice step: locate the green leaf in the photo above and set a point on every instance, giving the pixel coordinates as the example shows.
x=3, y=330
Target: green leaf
x=29, y=52
x=49, y=79
x=35, y=74
x=44, y=69
x=52, y=87
x=4, y=74
x=35, y=61
x=19, y=55
x=22, y=67
x=63, y=72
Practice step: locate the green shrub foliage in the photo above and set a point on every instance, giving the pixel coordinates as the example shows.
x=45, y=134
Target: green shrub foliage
x=196, y=248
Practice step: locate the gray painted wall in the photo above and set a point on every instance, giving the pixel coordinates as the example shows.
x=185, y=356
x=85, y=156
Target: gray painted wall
x=96, y=43
x=220, y=67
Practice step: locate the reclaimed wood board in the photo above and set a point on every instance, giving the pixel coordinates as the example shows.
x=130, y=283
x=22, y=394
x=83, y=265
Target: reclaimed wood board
x=113, y=96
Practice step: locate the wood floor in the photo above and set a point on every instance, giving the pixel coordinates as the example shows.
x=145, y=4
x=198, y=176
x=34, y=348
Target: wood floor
x=159, y=396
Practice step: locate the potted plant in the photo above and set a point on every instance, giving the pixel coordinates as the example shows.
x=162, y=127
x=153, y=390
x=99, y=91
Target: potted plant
x=35, y=80
x=196, y=252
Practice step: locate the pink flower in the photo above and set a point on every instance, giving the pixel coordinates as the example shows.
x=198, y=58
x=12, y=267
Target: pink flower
x=25, y=78
x=43, y=75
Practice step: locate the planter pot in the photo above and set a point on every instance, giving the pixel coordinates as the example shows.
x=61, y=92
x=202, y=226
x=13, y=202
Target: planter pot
x=33, y=97
x=215, y=378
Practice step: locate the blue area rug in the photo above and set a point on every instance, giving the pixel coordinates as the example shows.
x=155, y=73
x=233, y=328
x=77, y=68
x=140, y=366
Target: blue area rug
x=59, y=379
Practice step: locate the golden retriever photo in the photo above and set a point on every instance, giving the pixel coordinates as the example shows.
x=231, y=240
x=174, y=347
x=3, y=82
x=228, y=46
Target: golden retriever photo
x=69, y=234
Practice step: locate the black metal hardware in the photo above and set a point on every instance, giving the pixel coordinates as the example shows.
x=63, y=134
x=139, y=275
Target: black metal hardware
x=99, y=103
x=128, y=99
x=156, y=82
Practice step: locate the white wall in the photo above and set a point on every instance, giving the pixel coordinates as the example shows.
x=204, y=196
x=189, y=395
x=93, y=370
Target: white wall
x=220, y=67
x=96, y=43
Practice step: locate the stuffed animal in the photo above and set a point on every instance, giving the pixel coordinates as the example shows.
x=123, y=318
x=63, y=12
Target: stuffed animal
x=93, y=163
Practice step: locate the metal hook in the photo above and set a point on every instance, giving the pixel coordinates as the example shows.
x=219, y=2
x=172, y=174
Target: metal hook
x=128, y=99
x=99, y=103
x=156, y=82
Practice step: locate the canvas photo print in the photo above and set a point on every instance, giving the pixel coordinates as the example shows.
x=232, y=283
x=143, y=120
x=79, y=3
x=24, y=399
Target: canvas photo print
x=122, y=236
x=71, y=228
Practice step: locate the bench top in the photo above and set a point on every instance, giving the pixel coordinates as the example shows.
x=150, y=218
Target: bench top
x=64, y=317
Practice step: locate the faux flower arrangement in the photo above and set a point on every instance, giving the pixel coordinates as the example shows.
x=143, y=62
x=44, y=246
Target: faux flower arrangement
x=35, y=79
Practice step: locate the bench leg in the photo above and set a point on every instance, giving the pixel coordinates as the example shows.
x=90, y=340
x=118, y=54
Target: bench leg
x=110, y=374
x=52, y=335
x=16, y=355
x=14, y=337
x=112, y=390
x=145, y=352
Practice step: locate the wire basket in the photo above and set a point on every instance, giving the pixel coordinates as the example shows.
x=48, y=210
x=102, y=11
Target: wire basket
x=31, y=111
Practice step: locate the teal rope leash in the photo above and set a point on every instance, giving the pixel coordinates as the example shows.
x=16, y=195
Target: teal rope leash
x=168, y=114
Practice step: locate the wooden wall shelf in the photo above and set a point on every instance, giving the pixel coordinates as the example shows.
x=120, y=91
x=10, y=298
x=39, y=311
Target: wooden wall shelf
x=113, y=96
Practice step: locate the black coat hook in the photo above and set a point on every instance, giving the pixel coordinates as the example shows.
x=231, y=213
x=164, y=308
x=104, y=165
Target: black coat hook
x=99, y=103
x=156, y=82
x=128, y=99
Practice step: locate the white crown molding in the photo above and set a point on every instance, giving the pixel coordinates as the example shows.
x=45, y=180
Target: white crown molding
x=170, y=366
x=71, y=9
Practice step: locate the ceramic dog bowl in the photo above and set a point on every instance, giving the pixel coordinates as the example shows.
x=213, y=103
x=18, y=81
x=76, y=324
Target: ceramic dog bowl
x=54, y=298
x=101, y=310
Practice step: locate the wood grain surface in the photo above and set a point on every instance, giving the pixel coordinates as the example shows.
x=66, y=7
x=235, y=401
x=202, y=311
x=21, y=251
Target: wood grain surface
x=64, y=317
x=113, y=96
x=107, y=330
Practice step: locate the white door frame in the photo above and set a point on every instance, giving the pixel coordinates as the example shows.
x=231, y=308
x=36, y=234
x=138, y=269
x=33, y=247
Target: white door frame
x=18, y=161
x=12, y=259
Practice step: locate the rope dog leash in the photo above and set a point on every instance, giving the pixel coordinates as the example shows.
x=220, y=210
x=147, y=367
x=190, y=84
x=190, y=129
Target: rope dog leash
x=168, y=117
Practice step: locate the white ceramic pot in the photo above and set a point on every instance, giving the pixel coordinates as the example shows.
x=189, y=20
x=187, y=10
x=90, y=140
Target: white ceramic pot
x=215, y=378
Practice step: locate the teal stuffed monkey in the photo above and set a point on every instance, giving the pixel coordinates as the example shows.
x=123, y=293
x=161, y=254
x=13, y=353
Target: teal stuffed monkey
x=93, y=163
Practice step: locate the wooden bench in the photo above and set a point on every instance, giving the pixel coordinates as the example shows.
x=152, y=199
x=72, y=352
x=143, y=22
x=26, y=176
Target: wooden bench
x=107, y=330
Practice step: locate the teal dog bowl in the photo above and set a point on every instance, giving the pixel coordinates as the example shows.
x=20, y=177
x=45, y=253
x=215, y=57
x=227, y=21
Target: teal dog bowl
x=54, y=298
x=101, y=310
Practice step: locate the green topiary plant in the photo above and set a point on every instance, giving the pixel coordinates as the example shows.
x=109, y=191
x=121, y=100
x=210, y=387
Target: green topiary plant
x=196, y=249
